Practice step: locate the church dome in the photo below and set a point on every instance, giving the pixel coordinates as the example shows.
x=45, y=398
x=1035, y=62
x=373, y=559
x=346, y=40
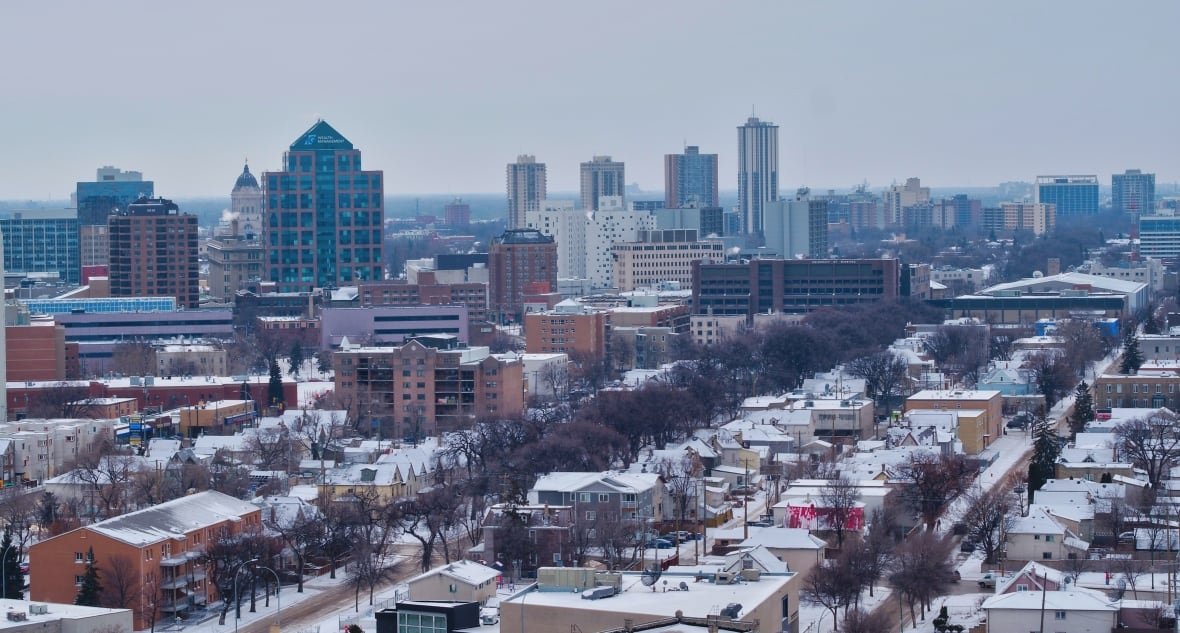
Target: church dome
x=246, y=180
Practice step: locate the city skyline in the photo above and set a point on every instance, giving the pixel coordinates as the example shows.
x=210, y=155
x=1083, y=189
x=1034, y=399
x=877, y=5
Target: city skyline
x=957, y=95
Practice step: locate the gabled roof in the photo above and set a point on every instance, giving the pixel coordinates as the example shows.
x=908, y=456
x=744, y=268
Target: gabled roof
x=320, y=136
x=171, y=519
x=1038, y=521
x=1053, y=601
x=784, y=538
x=464, y=571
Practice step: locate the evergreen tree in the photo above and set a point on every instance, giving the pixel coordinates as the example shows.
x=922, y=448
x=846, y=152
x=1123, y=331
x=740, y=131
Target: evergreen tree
x=1046, y=449
x=14, y=581
x=47, y=510
x=1083, y=409
x=91, y=590
x=1132, y=357
x=296, y=357
x=274, y=390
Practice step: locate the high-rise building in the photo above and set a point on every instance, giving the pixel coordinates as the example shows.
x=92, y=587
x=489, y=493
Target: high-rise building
x=584, y=239
x=457, y=213
x=112, y=189
x=153, y=252
x=324, y=215
x=526, y=189
x=1133, y=192
x=1037, y=217
x=43, y=241
x=602, y=177
x=234, y=263
x=898, y=197
x=797, y=226
x=757, y=170
x=1159, y=235
x=1073, y=195
x=690, y=179
x=519, y=260
x=245, y=205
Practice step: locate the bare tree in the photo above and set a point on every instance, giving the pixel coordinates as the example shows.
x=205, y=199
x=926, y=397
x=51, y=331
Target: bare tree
x=989, y=516
x=885, y=374
x=921, y=570
x=621, y=542
x=272, y=449
x=62, y=400
x=120, y=583
x=425, y=518
x=682, y=478
x=929, y=481
x=1151, y=443
x=833, y=585
x=105, y=473
x=134, y=358
x=840, y=498
x=300, y=533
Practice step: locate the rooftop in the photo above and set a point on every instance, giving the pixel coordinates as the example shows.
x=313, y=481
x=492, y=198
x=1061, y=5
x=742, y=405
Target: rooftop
x=173, y=519
x=1049, y=601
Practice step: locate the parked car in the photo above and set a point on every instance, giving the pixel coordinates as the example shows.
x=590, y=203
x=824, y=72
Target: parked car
x=967, y=547
x=959, y=528
x=683, y=536
x=988, y=581
x=1021, y=420
x=659, y=543
x=761, y=523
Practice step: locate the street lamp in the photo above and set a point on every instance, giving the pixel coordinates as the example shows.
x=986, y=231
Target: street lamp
x=278, y=593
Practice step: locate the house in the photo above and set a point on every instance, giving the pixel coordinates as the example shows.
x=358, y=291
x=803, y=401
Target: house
x=460, y=581
x=1032, y=577
x=623, y=496
x=1077, y=611
x=799, y=549
x=160, y=547
x=1040, y=536
x=389, y=480
x=1008, y=378
x=549, y=530
x=1093, y=463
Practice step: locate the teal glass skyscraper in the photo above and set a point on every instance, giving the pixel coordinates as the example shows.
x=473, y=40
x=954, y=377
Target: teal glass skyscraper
x=324, y=215
x=1073, y=195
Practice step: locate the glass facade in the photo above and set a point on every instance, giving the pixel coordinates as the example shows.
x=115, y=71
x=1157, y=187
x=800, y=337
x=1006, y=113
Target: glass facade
x=324, y=215
x=1073, y=195
x=100, y=306
x=42, y=245
x=98, y=200
x=413, y=622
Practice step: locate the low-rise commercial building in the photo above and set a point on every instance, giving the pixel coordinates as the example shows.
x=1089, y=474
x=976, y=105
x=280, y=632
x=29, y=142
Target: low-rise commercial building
x=794, y=286
x=658, y=256
x=976, y=432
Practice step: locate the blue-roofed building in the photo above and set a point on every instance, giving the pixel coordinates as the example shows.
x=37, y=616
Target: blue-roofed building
x=106, y=305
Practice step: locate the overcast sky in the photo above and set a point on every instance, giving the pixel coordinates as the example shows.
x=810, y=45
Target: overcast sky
x=440, y=95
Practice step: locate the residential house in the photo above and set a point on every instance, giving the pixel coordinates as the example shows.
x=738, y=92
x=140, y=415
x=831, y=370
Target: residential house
x=460, y=581
x=1076, y=611
x=1040, y=536
x=550, y=534
x=610, y=495
x=798, y=548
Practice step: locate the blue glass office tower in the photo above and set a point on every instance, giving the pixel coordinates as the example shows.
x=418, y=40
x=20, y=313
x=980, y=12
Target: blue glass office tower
x=43, y=241
x=113, y=189
x=324, y=215
x=1133, y=192
x=1073, y=195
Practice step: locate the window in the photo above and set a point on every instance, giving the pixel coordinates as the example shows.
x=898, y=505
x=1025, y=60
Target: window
x=77, y=581
x=1048, y=538
x=603, y=498
x=590, y=515
x=584, y=497
x=1058, y=615
x=1022, y=587
x=1047, y=555
x=411, y=622
x=79, y=557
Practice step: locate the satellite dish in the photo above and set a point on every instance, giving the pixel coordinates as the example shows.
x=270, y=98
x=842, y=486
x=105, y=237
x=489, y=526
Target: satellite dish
x=651, y=575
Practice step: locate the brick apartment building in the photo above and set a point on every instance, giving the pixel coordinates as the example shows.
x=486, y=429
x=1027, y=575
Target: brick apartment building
x=160, y=548
x=570, y=328
x=420, y=390
x=39, y=351
x=153, y=252
x=550, y=532
x=517, y=260
x=1146, y=389
x=428, y=291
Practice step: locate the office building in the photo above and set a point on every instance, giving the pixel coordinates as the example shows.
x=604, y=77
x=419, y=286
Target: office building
x=1133, y=192
x=417, y=390
x=112, y=189
x=602, y=177
x=690, y=179
x=1159, y=235
x=98, y=333
x=526, y=189
x=706, y=221
x=569, y=328
x=757, y=171
x=797, y=227
x=153, y=252
x=898, y=197
x=658, y=256
x=457, y=214
x=792, y=286
x=43, y=241
x=234, y=263
x=245, y=205
x=1073, y=195
x=520, y=262
x=427, y=290
x=1061, y=296
x=391, y=324
x=584, y=239
x=324, y=215
x=38, y=351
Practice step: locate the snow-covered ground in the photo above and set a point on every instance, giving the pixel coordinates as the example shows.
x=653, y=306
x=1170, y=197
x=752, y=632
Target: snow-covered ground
x=961, y=609
x=817, y=619
x=288, y=597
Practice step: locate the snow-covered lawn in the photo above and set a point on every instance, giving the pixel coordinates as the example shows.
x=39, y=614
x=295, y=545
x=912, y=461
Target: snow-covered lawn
x=961, y=609
x=816, y=619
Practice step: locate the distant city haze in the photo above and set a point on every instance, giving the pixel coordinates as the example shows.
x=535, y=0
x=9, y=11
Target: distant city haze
x=441, y=96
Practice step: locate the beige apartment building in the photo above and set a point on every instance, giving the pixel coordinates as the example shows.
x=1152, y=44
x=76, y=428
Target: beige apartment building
x=665, y=255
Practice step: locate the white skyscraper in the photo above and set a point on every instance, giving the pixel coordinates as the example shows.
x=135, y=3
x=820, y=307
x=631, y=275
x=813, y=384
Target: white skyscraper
x=585, y=238
x=757, y=171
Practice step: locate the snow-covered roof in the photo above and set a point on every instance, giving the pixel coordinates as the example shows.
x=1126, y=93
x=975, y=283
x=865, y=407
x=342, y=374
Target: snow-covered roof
x=1050, y=601
x=1038, y=521
x=784, y=538
x=464, y=571
x=172, y=519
